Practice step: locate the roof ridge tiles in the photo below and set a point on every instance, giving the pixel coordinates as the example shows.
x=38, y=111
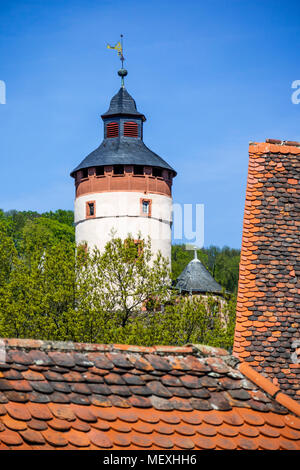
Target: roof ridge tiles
x=274, y=146
x=69, y=346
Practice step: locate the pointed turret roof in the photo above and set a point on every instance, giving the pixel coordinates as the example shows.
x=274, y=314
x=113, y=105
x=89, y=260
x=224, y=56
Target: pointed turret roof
x=122, y=103
x=123, y=150
x=195, y=278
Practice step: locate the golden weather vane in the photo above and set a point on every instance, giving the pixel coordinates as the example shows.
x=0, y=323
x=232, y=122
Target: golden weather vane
x=119, y=48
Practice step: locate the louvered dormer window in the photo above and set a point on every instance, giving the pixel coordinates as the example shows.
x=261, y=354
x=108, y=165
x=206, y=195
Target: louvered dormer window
x=130, y=129
x=112, y=129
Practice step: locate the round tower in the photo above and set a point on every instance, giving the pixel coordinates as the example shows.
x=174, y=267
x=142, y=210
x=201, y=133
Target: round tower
x=122, y=185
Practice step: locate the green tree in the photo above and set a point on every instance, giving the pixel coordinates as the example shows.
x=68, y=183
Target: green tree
x=114, y=288
x=37, y=300
x=185, y=320
x=7, y=250
x=17, y=220
x=40, y=233
x=62, y=216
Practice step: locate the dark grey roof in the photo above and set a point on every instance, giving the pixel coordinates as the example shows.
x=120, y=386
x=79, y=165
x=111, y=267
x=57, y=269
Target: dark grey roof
x=123, y=103
x=123, y=152
x=196, y=278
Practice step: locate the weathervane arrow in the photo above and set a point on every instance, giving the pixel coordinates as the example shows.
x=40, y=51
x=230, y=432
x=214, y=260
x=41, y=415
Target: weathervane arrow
x=119, y=48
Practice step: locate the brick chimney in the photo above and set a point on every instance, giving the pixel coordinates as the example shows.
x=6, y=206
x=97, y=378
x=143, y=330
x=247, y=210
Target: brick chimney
x=267, y=333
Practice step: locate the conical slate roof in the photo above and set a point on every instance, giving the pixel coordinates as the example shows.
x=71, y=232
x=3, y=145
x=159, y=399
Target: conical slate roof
x=196, y=278
x=123, y=150
x=123, y=103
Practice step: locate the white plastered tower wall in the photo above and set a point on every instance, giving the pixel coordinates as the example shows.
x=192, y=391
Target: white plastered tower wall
x=121, y=212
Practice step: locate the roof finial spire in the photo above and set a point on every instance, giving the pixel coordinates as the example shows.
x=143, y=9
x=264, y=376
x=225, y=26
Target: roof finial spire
x=119, y=47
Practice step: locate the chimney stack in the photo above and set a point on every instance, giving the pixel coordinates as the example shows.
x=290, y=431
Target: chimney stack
x=267, y=333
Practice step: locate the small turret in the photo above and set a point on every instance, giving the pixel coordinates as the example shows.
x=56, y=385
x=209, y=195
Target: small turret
x=196, y=279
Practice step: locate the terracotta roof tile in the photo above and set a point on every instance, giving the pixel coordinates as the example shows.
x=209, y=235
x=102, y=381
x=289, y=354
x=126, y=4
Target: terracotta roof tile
x=100, y=400
x=54, y=438
x=37, y=425
x=207, y=430
x=268, y=444
x=80, y=425
x=127, y=416
x=291, y=421
x=157, y=405
x=119, y=360
x=120, y=440
x=163, y=442
x=249, y=431
x=99, y=439
x=182, y=404
x=59, y=424
x=288, y=445
x=141, y=440
x=290, y=433
x=228, y=431
x=102, y=425
x=225, y=443
x=78, y=438
x=11, y=438
x=183, y=442
x=205, y=443
x=35, y=397
x=60, y=411
x=120, y=426
x=32, y=437
x=163, y=428
x=233, y=418
x=18, y=411
x=11, y=374
x=170, y=418
x=140, y=402
x=143, y=427
x=246, y=443
x=32, y=375
x=191, y=418
x=13, y=424
x=85, y=413
x=100, y=361
x=158, y=363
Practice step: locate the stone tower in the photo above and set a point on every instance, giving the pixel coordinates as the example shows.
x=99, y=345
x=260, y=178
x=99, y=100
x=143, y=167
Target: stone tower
x=123, y=185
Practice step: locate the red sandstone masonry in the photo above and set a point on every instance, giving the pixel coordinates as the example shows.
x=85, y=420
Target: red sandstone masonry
x=267, y=331
x=127, y=182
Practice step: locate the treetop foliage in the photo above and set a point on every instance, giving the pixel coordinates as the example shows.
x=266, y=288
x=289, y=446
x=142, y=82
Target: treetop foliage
x=50, y=289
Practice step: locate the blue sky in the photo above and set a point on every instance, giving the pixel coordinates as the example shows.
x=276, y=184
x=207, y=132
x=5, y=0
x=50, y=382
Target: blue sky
x=210, y=76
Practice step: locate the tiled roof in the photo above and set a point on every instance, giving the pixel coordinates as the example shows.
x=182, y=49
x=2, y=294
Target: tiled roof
x=267, y=334
x=89, y=396
x=196, y=278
